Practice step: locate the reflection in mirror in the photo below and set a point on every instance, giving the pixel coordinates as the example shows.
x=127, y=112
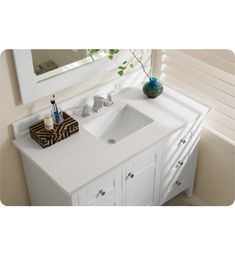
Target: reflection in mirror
x=48, y=63
x=90, y=65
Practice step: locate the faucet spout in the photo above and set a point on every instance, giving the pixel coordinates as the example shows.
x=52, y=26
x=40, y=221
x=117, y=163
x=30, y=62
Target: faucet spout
x=99, y=102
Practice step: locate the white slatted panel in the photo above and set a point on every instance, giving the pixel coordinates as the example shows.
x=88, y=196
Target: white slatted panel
x=208, y=76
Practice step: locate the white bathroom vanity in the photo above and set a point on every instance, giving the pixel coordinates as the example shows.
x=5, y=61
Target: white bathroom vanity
x=137, y=152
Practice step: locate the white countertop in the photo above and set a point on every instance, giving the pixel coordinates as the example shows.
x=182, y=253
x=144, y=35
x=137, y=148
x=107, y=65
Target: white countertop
x=81, y=158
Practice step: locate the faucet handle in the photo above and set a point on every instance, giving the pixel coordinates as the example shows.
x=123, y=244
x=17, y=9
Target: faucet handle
x=85, y=111
x=97, y=105
x=97, y=96
x=109, y=95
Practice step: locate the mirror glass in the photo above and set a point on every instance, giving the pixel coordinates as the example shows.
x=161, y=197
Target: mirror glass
x=43, y=72
x=48, y=63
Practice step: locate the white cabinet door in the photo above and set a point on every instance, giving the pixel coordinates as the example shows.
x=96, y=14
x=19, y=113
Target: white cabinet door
x=139, y=179
x=139, y=186
x=105, y=191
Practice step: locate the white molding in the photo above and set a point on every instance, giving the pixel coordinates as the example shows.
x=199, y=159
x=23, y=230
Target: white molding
x=68, y=67
x=25, y=73
x=32, y=90
x=156, y=63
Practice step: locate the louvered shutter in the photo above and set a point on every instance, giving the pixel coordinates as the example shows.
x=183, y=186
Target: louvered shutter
x=209, y=77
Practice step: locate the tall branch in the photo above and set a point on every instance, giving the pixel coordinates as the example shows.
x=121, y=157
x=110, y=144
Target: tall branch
x=133, y=53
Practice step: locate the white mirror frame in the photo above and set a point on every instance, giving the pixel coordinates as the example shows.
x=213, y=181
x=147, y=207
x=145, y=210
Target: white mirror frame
x=31, y=89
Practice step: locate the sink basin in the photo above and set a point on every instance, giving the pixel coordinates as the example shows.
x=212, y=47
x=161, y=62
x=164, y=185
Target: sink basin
x=115, y=125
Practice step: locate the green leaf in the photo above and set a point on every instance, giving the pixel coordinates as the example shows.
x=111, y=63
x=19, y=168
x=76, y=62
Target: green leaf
x=120, y=72
x=125, y=62
x=92, y=51
x=120, y=67
x=110, y=56
x=113, y=51
x=131, y=65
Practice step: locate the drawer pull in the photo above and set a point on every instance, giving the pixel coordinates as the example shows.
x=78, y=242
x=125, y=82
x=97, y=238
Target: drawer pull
x=101, y=192
x=180, y=163
x=131, y=175
x=183, y=141
x=178, y=183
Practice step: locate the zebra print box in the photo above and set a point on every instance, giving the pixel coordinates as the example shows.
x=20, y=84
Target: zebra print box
x=46, y=138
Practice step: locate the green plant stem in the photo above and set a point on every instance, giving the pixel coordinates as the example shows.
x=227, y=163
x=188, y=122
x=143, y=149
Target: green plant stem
x=130, y=61
x=90, y=54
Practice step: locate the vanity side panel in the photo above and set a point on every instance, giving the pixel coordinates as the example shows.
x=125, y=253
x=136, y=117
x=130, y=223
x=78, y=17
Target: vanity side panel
x=193, y=154
x=42, y=191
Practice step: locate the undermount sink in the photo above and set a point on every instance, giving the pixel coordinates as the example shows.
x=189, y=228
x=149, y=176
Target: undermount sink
x=115, y=125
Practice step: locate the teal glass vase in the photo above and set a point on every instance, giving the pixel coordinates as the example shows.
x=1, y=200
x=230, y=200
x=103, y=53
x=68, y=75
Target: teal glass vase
x=152, y=88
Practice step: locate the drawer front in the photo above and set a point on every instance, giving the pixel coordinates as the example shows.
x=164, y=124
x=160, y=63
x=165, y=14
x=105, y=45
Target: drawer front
x=103, y=191
x=173, y=155
x=175, y=180
x=107, y=200
x=175, y=145
x=179, y=183
x=179, y=138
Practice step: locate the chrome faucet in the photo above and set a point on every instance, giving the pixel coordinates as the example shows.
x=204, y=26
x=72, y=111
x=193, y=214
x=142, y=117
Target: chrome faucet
x=85, y=111
x=99, y=102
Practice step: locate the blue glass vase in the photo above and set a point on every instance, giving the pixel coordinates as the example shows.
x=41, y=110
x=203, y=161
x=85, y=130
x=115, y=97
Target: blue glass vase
x=152, y=88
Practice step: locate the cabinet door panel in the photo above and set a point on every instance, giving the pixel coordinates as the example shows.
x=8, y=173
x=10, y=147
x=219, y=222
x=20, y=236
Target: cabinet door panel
x=139, y=189
x=142, y=160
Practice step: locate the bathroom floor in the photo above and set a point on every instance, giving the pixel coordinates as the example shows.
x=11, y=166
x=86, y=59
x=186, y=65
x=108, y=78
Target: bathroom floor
x=183, y=200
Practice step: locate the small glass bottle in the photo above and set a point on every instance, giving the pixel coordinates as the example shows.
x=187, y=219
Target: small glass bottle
x=56, y=113
x=48, y=122
x=57, y=116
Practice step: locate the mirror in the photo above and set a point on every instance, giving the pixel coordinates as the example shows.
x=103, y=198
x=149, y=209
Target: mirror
x=44, y=72
x=48, y=63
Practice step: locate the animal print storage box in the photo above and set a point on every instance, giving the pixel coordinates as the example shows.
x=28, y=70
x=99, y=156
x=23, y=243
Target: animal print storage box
x=46, y=138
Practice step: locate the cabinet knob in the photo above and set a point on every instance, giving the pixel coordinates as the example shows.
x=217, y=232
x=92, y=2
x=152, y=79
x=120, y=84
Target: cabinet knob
x=131, y=175
x=101, y=192
x=180, y=163
x=183, y=141
x=178, y=183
